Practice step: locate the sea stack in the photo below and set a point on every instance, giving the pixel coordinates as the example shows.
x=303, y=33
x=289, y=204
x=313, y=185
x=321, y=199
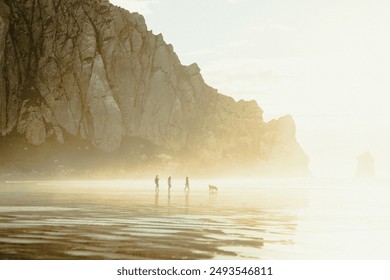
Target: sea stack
x=365, y=167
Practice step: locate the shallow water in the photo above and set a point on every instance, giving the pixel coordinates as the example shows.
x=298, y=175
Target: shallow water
x=252, y=219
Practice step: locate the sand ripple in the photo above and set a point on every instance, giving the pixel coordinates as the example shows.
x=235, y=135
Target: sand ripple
x=73, y=225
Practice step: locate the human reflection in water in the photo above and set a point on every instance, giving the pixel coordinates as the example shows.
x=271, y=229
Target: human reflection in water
x=169, y=198
x=186, y=200
x=156, y=196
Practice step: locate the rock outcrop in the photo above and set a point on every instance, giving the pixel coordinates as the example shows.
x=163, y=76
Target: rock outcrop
x=94, y=71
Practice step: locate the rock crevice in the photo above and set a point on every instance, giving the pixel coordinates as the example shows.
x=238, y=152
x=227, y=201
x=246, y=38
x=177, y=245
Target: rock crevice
x=94, y=71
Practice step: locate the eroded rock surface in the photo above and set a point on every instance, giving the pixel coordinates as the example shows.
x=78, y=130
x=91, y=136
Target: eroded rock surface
x=93, y=70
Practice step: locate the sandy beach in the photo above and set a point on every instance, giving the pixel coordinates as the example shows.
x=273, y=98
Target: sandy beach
x=129, y=220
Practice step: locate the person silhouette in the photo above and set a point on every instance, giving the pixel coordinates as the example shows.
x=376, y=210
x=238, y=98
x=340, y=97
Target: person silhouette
x=169, y=183
x=187, y=188
x=156, y=180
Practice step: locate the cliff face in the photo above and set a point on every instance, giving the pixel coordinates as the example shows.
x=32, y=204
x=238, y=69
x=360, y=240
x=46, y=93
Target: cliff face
x=93, y=70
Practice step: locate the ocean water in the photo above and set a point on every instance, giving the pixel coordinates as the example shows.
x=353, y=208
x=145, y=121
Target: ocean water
x=245, y=219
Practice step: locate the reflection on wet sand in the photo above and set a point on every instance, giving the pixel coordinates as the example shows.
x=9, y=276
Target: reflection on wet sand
x=156, y=194
x=187, y=200
x=213, y=198
x=114, y=223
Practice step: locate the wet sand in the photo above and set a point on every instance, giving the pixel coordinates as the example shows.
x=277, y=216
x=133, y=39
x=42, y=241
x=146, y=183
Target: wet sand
x=108, y=220
x=244, y=220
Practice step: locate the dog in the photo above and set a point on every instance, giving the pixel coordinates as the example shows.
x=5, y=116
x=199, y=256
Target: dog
x=213, y=188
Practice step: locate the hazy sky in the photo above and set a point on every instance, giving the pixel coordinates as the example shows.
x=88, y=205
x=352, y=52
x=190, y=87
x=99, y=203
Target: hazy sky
x=325, y=62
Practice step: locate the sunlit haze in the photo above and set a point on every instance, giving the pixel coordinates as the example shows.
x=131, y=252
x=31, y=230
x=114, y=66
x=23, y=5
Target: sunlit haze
x=325, y=62
x=111, y=150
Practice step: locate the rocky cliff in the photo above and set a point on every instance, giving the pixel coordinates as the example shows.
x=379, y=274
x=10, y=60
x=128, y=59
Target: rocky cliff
x=88, y=69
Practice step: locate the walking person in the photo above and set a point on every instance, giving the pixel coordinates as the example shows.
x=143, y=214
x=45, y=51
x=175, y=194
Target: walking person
x=169, y=183
x=156, y=180
x=187, y=188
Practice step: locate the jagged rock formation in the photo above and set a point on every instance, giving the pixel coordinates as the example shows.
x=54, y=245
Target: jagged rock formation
x=93, y=70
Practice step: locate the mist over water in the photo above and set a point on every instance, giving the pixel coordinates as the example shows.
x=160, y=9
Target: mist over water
x=245, y=219
x=325, y=65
